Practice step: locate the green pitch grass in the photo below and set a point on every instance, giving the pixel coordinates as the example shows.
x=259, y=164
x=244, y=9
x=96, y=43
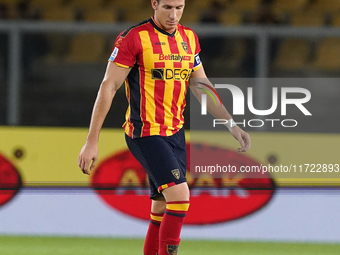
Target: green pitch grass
x=110, y=246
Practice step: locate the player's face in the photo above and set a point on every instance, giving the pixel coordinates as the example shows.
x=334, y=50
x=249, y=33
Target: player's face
x=168, y=13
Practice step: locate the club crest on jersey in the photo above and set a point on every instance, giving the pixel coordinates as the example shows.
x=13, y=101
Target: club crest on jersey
x=172, y=249
x=176, y=174
x=185, y=46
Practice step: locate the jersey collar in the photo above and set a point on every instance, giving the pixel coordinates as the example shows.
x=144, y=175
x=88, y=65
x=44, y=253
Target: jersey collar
x=153, y=22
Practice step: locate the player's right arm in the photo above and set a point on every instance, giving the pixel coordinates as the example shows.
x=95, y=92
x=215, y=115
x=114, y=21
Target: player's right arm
x=113, y=79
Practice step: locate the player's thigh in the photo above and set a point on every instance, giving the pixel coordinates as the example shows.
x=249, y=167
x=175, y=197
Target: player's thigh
x=179, y=192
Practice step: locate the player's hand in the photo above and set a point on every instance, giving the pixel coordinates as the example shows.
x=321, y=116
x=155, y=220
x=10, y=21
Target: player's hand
x=242, y=137
x=88, y=153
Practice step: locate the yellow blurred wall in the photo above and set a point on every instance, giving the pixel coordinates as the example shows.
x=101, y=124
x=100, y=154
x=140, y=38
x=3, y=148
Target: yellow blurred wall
x=50, y=154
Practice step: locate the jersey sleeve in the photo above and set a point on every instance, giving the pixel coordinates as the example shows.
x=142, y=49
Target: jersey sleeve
x=198, y=46
x=125, y=50
x=197, y=62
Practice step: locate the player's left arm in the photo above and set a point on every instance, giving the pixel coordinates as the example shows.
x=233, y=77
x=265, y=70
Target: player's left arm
x=219, y=111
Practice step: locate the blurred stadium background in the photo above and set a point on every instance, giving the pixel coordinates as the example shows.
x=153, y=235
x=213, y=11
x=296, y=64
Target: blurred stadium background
x=58, y=49
x=53, y=55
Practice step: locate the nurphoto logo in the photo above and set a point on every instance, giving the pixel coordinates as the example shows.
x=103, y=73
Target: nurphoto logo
x=239, y=104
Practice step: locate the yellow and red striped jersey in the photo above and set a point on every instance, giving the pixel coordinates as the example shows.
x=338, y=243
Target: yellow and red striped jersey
x=156, y=86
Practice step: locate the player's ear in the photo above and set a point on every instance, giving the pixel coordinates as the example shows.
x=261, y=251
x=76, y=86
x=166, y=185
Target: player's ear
x=154, y=4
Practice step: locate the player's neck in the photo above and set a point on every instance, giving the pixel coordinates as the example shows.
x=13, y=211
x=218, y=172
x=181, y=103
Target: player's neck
x=159, y=25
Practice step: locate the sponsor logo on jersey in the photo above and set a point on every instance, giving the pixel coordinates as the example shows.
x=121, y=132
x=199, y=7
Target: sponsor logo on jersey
x=169, y=74
x=118, y=42
x=174, y=57
x=160, y=43
x=114, y=54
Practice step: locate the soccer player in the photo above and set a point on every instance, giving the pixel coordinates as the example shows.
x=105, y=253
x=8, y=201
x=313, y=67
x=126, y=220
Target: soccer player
x=156, y=58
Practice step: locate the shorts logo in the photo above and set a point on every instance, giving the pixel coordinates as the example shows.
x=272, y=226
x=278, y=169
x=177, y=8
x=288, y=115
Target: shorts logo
x=176, y=174
x=172, y=249
x=114, y=54
x=185, y=46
